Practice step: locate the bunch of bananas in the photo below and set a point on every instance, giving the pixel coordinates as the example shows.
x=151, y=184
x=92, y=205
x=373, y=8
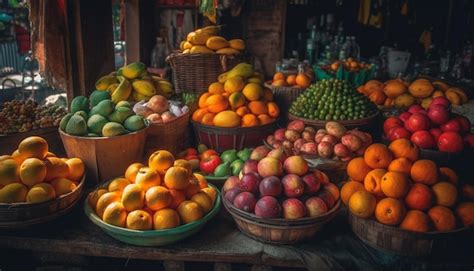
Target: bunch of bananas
x=132, y=82
x=206, y=41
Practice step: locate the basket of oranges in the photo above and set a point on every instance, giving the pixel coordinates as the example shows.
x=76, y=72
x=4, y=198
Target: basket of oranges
x=356, y=72
x=154, y=205
x=406, y=205
x=36, y=186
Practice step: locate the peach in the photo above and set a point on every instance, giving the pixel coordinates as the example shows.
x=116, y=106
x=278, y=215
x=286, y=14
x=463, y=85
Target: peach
x=419, y=197
x=328, y=198
x=465, y=212
x=311, y=184
x=293, y=209
x=445, y=193
x=231, y=182
x=333, y=189
x=278, y=153
x=259, y=153
x=293, y=186
x=296, y=165
x=270, y=166
x=315, y=206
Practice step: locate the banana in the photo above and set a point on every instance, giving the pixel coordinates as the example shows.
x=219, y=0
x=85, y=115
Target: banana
x=139, y=97
x=244, y=70
x=112, y=88
x=144, y=87
x=123, y=90
x=104, y=82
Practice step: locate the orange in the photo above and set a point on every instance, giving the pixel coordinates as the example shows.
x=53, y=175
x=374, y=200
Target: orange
x=357, y=169
x=216, y=88
x=249, y=120
x=40, y=193
x=157, y=197
x=55, y=168
x=372, y=181
x=5, y=157
x=216, y=103
x=185, y=164
x=378, y=156
x=236, y=100
x=362, y=204
x=32, y=171
x=94, y=196
x=416, y=221
x=139, y=220
x=177, y=197
x=465, y=212
x=189, y=211
x=165, y=219
x=267, y=94
x=234, y=84
x=115, y=214
x=424, y=171
x=203, y=99
x=177, y=178
x=279, y=83
x=403, y=147
x=395, y=184
x=265, y=119
x=133, y=197
x=208, y=119
x=468, y=191
x=445, y=194
x=377, y=97
x=105, y=200
x=350, y=188
x=258, y=107
x=211, y=192
x=8, y=172
x=201, y=179
x=401, y=164
x=198, y=114
x=19, y=158
x=160, y=161
x=132, y=170
x=273, y=109
x=291, y=80
x=390, y=211
x=302, y=80
x=203, y=200
x=448, y=175
x=193, y=188
x=118, y=184
x=278, y=76
x=253, y=91
x=443, y=218
x=33, y=147
x=241, y=111
x=373, y=85
x=76, y=169
x=147, y=177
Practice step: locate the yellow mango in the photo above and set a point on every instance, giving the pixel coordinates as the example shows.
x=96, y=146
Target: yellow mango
x=237, y=44
x=216, y=43
x=200, y=38
x=199, y=49
x=105, y=81
x=187, y=45
x=453, y=97
x=228, y=51
x=227, y=118
x=144, y=87
x=236, y=100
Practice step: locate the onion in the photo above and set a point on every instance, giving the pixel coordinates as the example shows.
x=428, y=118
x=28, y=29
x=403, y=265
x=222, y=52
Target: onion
x=155, y=118
x=158, y=104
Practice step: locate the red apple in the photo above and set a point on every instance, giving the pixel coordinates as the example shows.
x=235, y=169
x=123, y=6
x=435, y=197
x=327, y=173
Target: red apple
x=293, y=186
x=450, y=142
x=416, y=108
x=405, y=116
x=311, y=184
x=250, y=182
x=469, y=140
x=438, y=114
x=293, y=209
x=417, y=122
x=250, y=166
x=452, y=125
x=391, y=123
x=398, y=132
x=443, y=101
x=464, y=123
x=435, y=132
x=423, y=139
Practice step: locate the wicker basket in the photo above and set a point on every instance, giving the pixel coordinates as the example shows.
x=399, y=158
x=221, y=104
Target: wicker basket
x=221, y=139
x=407, y=243
x=171, y=136
x=105, y=156
x=284, y=97
x=279, y=231
x=195, y=72
x=22, y=215
x=369, y=124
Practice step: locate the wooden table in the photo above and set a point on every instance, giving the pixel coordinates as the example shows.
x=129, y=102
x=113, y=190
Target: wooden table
x=220, y=241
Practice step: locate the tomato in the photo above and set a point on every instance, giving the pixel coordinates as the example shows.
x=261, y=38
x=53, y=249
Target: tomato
x=208, y=153
x=209, y=164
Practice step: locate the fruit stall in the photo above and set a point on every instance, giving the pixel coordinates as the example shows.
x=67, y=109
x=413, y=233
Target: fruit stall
x=208, y=154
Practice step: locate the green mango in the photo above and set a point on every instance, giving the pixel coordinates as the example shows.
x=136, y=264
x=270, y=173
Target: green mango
x=95, y=123
x=113, y=129
x=120, y=114
x=103, y=108
x=229, y=156
x=82, y=114
x=134, y=123
x=123, y=104
x=223, y=170
x=244, y=154
x=79, y=103
x=64, y=121
x=92, y=135
x=97, y=96
x=76, y=126
x=236, y=167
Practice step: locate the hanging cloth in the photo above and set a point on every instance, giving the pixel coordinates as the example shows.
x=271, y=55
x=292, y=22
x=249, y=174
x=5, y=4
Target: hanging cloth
x=208, y=9
x=370, y=13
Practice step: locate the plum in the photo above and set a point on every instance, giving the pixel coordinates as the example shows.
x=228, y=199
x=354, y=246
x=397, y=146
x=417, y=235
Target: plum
x=267, y=207
x=250, y=182
x=232, y=193
x=270, y=186
x=245, y=201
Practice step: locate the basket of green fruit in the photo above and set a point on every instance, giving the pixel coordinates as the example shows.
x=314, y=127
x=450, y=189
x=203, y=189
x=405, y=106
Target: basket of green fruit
x=334, y=100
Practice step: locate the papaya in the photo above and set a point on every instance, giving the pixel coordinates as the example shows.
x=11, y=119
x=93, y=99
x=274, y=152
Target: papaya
x=64, y=120
x=140, y=97
x=237, y=44
x=79, y=103
x=112, y=88
x=186, y=51
x=104, y=108
x=76, y=126
x=144, y=87
x=98, y=96
x=105, y=81
x=453, y=97
x=190, y=36
x=421, y=88
x=95, y=123
x=134, y=123
x=199, y=49
x=228, y=51
x=404, y=100
x=216, y=43
x=461, y=93
x=133, y=70
x=242, y=69
x=113, y=129
x=200, y=38
x=120, y=114
x=123, y=90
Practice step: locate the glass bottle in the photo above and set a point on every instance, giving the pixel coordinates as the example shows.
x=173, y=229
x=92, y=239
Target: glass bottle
x=158, y=54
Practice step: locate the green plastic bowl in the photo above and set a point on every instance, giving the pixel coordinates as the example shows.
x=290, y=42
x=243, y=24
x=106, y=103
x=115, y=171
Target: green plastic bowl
x=154, y=237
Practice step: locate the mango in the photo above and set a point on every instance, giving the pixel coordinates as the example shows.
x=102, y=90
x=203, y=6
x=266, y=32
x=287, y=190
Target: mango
x=64, y=121
x=76, y=126
x=98, y=96
x=228, y=51
x=210, y=30
x=244, y=70
x=103, y=108
x=123, y=90
x=187, y=45
x=92, y=135
x=234, y=84
x=199, y=49
x=133, y=70
x=140, y=97
x=144, y=87
x=216, y=43
x=95, y=123
x=200, y=38
x=123, y=104
x=112, y=88
x=120, y=114
x=13, y=193
x=40, y=193
x=134, y=123
x=113, y=129
x=227, y=119
x=237, y=44
x=79, y=103
x=81, y=114
x=404, y=100
x=105, y=81
x=236, y=99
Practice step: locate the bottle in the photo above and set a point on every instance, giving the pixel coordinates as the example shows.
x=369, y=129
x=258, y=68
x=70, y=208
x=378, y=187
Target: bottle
x=158, y=54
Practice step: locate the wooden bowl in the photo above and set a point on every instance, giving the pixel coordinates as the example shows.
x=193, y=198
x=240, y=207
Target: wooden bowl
x=368, y=124
x=278, y=230
x=406, y=243
x=152, y=237
x=22, y=215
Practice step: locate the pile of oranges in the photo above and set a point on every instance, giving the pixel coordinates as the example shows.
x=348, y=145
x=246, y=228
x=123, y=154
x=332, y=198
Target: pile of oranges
x=397, y=188
x=162, y=195
x=33, y=174
x=300, y=80
x=350, y=65
x=238, y=102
